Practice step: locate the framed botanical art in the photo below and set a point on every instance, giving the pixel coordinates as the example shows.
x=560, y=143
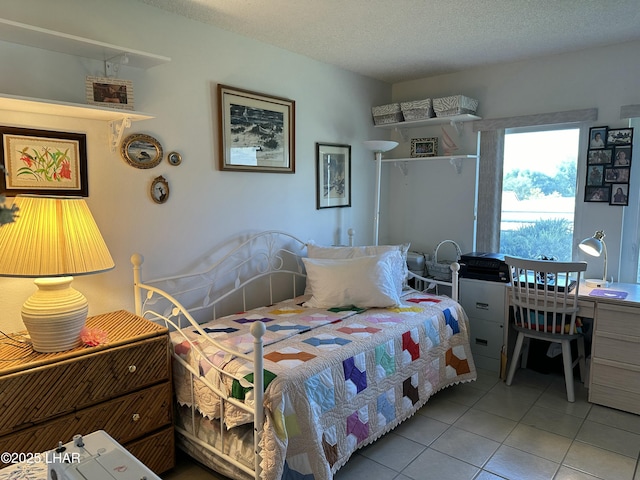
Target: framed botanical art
x=43, y=162
x=256, y=131
x=333, y=173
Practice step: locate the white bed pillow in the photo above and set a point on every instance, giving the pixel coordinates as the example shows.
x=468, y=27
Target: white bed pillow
x=363, y=281
x=400, y=269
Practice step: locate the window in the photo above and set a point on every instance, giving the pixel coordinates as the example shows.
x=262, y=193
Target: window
x=539, y=192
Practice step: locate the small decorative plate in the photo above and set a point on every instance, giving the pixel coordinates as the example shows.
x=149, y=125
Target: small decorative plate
x=174, y=158
x=141, y=151
x=160, y=189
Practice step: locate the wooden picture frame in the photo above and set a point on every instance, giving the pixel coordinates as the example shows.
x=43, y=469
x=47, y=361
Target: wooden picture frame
x=333, y=174
x=109, y=92
x=424, y=147
x=256, y=132
x=141, y=151
x=43, y=162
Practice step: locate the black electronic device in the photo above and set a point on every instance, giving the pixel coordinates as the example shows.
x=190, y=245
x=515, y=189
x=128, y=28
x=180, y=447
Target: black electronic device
x=484, y=266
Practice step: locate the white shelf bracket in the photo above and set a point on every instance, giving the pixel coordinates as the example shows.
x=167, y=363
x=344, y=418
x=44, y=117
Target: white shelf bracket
x=457, y=164
x=116, y=130
x=403, y=166
x=459, y=126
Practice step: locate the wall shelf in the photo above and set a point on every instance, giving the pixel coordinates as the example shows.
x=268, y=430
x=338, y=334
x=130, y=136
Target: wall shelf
x=403, y=163
x=117, y=119
x=32, y=36
x=455, y=121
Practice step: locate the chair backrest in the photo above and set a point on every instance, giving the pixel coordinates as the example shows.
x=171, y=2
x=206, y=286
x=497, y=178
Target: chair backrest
x=544, y=294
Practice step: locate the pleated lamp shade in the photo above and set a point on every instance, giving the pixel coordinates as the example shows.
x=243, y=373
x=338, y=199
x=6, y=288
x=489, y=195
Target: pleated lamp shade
x=53, y=237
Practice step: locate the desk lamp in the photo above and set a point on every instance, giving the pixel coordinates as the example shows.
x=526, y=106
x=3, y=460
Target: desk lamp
x=378, y=146
x=595, y=246
x=53, y=238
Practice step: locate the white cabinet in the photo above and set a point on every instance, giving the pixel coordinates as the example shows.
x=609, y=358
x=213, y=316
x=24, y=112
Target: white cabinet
x=485, y=304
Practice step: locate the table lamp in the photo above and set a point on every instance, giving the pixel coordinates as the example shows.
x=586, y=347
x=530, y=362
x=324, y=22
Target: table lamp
x=53, y=238
x=378, y=146
x=595, y=246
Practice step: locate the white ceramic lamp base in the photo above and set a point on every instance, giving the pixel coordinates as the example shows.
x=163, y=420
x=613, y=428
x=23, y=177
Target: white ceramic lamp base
x=54, y=315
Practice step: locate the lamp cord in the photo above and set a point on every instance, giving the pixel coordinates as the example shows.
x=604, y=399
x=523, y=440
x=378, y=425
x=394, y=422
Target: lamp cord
x=14, y=340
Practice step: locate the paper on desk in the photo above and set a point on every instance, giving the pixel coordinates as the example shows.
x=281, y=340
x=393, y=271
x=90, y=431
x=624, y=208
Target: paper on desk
x=600, y=292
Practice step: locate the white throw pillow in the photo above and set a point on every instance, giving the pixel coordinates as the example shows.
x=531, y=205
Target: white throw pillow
x=400, y=269
x=363, y=281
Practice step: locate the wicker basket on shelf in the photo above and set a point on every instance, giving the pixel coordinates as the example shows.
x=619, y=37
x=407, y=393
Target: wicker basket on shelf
x=441, y=270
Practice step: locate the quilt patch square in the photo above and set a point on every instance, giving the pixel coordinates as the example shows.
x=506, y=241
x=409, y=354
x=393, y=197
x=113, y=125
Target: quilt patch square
x=326, y=342
x=289, y=356
x=355, y=375
x=358, y=424
x=410, y=346
x=451, y=321
x=359, y=330
x=385, y=360
x=321, y=392
x=386, y=408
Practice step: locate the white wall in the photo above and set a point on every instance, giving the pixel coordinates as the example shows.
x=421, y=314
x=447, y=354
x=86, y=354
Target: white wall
x=603, y=78
x=207, y=207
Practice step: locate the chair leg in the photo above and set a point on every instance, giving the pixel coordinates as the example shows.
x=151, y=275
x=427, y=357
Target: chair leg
x=525, y=352
x=514, y=359
x=582, y=359
x=567, y=361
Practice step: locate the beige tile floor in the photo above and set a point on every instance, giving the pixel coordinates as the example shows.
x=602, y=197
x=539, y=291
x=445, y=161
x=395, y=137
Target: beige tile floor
x=488, y=431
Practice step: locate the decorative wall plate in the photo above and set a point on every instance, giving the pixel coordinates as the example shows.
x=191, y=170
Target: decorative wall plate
x=160, y=189
x=141, y=151
x=174, y=158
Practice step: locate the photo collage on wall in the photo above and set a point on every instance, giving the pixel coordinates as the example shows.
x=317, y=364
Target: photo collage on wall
x=609, y=165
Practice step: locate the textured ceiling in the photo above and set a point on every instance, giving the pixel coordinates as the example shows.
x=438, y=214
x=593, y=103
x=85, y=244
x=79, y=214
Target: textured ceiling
x=398, y=40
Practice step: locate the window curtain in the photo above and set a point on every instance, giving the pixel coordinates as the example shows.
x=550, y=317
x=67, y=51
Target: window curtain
x=492, y=134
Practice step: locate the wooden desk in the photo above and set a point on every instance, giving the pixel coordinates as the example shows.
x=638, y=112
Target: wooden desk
x=614, y=376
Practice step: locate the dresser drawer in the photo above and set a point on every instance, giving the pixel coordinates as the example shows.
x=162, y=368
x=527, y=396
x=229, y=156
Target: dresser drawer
x=126, y=418
x=486, y=337
x=618, y=319
x=41, y=393
x=615, y=398
x=156, y=451
x=616, y=375
x=616, y=347
x=483, y=300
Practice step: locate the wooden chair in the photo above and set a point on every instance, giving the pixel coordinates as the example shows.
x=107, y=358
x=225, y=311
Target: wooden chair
x=544, y=299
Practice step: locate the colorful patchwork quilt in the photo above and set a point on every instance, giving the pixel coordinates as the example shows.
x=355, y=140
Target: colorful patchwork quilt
x=337, y=379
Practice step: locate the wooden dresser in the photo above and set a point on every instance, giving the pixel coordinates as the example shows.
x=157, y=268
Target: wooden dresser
x=122, y=387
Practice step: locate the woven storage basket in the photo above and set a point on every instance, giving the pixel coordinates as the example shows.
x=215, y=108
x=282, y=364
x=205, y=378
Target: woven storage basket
x=384, y=114
x=454, y=105
x=418, y=109
x=442, y=270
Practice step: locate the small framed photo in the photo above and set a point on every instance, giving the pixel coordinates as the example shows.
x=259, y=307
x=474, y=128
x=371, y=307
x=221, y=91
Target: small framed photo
x=620, y=136
x=622, y=157
x=109, y=92
x=256, y=131
x=619, y=194
x=616, y=174
x=174, y=158
x=597, y=137
x=333, y=173
x=597, y=194
x=424, y=147
x=602, y=156
x=595, y=175
x=43, y=162
x=160, y=189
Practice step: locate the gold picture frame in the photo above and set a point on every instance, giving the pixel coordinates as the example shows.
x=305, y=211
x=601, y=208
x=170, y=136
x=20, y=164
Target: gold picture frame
x=141, y=151
x=256, y=131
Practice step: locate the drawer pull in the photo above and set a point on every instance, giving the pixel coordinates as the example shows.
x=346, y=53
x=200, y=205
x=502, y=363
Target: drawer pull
x=481, y=341
x=132, y=368
x=135, y=417
x=482, y=306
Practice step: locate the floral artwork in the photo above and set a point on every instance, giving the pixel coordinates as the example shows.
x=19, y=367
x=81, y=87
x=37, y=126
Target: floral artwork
x=43, y=162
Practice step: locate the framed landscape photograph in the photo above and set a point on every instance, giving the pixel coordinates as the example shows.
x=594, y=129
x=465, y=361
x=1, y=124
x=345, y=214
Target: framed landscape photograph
x=256, y=131
x=424, y=147
x=620, y=136
x=43, y=162
x=333, y=173
x=109, y=92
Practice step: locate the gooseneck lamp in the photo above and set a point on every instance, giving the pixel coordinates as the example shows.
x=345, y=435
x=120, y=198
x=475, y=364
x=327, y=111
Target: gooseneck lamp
x=595, y=246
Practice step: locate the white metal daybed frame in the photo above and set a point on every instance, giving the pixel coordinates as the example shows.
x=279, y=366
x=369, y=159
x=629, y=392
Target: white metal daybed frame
x=263, y=257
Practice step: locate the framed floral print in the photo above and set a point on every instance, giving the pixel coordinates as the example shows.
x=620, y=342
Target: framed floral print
x=43, y=162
